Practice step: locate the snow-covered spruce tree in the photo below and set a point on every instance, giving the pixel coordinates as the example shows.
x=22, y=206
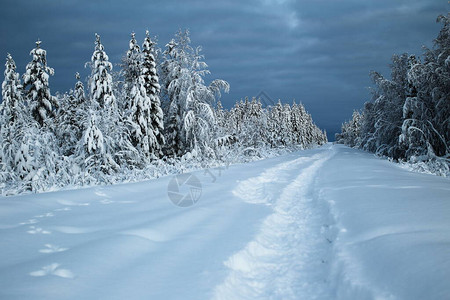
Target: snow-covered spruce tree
x=295, y=124
x=221, y=119
x=153, y=89
x=234, y=120
x=141, y=132
x=101, y=81
x=13, y=116
x=351, y=131
x=190, y=116
x=137, y=108
x=35, y=79
x=275, y=126
x=286, y=125
x=105, y=111
x=37, y=161
x=79, y=94
x=72, y=117
x=254, y=127
x=226, y=137
x=306, y=126
x=132, y=63
x=172, y=68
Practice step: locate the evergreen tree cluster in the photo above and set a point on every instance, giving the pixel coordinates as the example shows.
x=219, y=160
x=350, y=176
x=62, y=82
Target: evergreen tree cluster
x=249, y=125
x=155, y=112
x=408, y=118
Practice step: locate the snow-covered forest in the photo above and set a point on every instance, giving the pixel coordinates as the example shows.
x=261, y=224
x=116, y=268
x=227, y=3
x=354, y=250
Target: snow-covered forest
x=408, y=118
x=152, y=115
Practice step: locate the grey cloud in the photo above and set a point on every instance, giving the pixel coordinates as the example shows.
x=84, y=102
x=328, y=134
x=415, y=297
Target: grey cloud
x=316, y=51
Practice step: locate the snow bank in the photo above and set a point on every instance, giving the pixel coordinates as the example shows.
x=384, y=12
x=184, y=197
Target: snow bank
x=393, y=229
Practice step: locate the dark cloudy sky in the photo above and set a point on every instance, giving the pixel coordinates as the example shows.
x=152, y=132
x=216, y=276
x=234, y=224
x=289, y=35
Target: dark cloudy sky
x=318, y=52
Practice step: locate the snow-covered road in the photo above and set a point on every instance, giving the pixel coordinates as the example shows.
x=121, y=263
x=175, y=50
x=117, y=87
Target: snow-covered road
x=326, y=223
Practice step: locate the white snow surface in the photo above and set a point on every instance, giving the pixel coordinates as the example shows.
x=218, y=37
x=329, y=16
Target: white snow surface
x=327, y=223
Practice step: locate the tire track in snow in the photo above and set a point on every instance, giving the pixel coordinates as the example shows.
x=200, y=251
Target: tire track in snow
x=286, y=259
x=264, y=188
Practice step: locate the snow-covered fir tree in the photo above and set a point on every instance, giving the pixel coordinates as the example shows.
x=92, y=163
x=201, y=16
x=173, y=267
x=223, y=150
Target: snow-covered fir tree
x=275, y=124
x=141, y=132
x=351, y=131
x=42, y=103
x=101, y=85
x=132, y=63
x=106, y=114
x=296, y=124
x=13, y=117
x=153, y=89
x=286, y=125
x=72, y=117
x=79, y=93
x=137, y=106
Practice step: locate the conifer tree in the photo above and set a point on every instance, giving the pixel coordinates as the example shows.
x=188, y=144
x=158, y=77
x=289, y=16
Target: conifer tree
x=105, y=114
x=12, y=116
x=153, y=89
x=71, y=118
x=101, y=85
x=36, y=76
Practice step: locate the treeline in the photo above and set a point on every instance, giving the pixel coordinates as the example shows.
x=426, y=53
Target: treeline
x=408, y=118
x=155, y=113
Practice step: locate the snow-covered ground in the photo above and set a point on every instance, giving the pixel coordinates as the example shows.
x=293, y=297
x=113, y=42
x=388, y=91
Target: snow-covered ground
x=327, y=223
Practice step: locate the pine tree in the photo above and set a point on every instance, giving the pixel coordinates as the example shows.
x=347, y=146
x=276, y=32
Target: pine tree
x=153, y=89
x=13, y=116
x=275, y=118
x=286, y=125
x=295, y=124
x=132, y=63
x=79, y=93
x=105, y=112
x=71, y=118
x=101, y=85
x=254, y=126
x=36, y=77
x=141, y=133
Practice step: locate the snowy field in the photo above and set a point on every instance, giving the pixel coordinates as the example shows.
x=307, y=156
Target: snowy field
x=328, y=223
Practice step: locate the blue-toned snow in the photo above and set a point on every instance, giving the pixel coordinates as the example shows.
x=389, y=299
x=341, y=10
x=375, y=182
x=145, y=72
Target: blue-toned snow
x=328, y=223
